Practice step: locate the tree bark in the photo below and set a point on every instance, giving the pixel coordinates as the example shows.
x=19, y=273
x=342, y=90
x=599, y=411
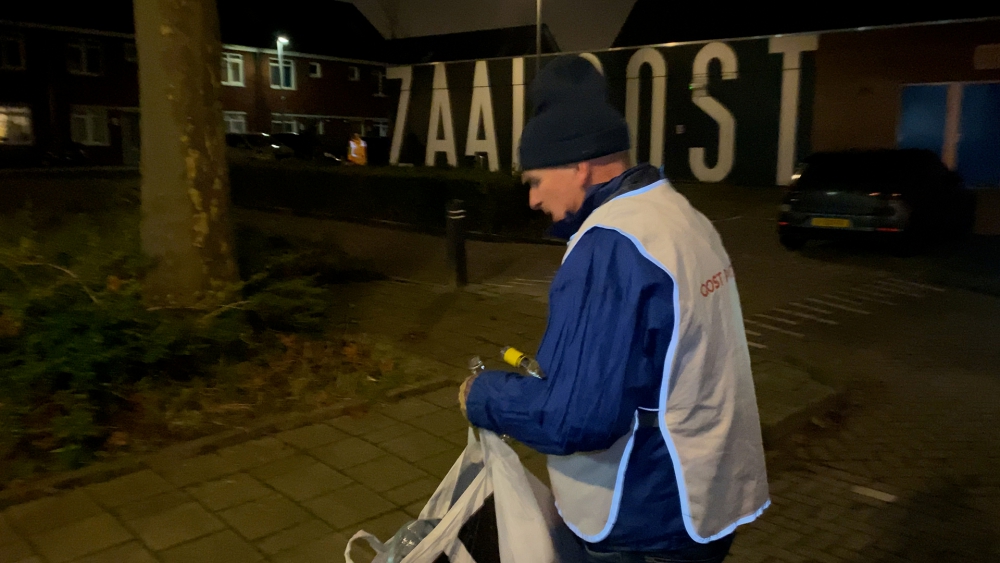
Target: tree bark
x=185, y=177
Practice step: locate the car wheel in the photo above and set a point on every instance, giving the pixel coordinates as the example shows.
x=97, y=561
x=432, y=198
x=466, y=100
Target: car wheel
x=792, y=241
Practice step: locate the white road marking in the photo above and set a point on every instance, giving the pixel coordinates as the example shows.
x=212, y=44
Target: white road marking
x=837, y=306
x=775, y=328
x=811, y=308
x=886, y=286
x=842, y=299
x=806, y=316
x=857, y=294
x=920, y=285
x=779, y=319
x=755, y=345
x=751, y=332
x=872, y=493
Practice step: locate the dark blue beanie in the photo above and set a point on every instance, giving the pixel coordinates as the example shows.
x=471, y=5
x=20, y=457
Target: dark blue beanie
x=573, y=121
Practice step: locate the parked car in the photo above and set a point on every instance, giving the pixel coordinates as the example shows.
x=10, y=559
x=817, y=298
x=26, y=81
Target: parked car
x=256, y=146
x=906, y=196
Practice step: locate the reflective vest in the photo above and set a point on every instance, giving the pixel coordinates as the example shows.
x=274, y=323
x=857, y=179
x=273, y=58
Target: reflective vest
x=359, y=152
x=707, y=410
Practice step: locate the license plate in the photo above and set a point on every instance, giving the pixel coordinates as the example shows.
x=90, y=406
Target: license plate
x=828, y=222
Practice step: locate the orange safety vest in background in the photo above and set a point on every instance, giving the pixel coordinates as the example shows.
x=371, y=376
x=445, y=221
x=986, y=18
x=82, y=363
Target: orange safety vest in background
x=358, y=153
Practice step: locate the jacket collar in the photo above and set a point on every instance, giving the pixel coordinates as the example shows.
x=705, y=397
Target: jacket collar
x=632, y=179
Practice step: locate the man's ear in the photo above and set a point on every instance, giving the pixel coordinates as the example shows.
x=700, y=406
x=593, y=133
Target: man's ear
x=582, y=175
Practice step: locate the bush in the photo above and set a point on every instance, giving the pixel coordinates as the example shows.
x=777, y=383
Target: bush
x=496, y=203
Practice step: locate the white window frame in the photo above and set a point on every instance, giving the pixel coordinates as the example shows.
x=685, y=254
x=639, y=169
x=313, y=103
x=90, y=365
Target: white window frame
x=283, y=124
x=289, y=66
x=85, y=45
x=353, y=74
x=4, y=58
x=380, y=76
x=315, y=70
x=22, y=110
x=236, y=121
x=228, y=60
x=95, y=126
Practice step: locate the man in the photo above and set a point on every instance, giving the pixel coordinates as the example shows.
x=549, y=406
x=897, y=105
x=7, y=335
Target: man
x=647, y=411
x=357, y=150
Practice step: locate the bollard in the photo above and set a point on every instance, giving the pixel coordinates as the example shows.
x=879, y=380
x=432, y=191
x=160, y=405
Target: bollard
x=456, y=241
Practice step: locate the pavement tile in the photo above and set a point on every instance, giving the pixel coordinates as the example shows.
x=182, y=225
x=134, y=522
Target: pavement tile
x=324, y=550
x=419, y=490
x=197, y=469
x=443, y=422
x=52, y=512
x=309, y=481
x=416, y=446
x=348, y=453
x=439, y=465
x=408, y=408
x=414, y=509
x=309, y=437
x=131, y=552
x=386, y=525
x=281, y=466
x=229, y=491
x=388, y=433
x=384, y=473
x=152, y=506
x=256, y=452
x=357, y=426
x=265, y=516
x=15, y=550
x=293, y=537
x=349, y=506
x=7, y=534
x=446, y=397
x=130, y=488
x=459, y=438
x=177, y=525
x=223, y=547
x=81, y=538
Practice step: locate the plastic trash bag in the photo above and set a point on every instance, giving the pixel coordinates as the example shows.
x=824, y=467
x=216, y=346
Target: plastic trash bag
x=488, y=509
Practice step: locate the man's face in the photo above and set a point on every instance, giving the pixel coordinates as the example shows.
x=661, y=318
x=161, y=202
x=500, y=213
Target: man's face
x=557, y=191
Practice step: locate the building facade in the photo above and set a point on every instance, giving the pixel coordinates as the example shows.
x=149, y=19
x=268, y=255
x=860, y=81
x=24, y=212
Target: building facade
x=70, y=94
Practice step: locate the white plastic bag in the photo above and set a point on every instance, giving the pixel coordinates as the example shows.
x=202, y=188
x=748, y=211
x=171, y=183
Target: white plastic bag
x=529, y=528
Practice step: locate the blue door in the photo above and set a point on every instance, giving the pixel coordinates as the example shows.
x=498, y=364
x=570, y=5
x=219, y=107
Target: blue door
x=979, y=142
x=922, y=117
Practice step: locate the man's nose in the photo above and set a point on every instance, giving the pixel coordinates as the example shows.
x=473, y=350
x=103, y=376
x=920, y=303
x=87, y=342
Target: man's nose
x=534, y=201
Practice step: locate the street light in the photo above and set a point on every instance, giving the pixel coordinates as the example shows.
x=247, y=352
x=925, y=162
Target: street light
x=282, y=41
x=538, y=35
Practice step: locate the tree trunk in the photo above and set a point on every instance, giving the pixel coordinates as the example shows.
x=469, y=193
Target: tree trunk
x=185, y=177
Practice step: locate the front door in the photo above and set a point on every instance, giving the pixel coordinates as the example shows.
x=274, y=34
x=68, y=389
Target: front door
x=130, y=138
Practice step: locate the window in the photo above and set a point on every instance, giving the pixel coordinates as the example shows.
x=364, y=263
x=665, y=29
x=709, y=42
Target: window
x=284, y=80
x=11, y=53
x=84, y=57
x=284, y=125
x=383, y=128
x=236, y=121
x=353, y=73
x=89, y=126
x=131, y=55
x=380, y=76
x=315, y=70
x=987, y=57
x=232, y=69
x=15, y=125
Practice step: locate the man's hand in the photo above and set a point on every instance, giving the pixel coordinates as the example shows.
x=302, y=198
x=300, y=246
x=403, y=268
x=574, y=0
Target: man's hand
x=463, y=393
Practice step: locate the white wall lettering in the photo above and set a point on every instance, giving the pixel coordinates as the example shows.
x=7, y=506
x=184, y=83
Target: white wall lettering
x=441, y=118
x=517, y=81
x=404, y=73
x=654, y=59
x=482, y=110
x=791, y=47
x=722, y=116
x=594, y=61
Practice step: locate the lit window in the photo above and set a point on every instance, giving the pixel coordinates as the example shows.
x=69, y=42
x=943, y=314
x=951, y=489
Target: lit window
x=236, y=121
x=315, y=70
x=89, y=126
x=131, y=55
x=11, y=53
x=15, y=125
x=353, y=73
x=232, y=69
x=84, y=57
x=284, y=125
x=285, y=79
x=383, y=128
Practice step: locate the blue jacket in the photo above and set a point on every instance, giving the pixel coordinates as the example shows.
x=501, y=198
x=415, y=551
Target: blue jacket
x=610, y=324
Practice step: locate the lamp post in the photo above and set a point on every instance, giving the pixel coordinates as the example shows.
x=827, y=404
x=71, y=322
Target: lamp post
x=282, y=41
x=538, y=35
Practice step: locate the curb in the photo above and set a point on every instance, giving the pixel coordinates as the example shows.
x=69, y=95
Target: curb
x=775, y=434
x=105, y=471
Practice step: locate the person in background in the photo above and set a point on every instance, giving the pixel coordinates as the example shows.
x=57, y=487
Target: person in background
x=357, y=152
x=647, y=410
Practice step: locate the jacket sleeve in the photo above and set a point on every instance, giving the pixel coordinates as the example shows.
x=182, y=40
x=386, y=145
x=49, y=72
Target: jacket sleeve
x=610, y=323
